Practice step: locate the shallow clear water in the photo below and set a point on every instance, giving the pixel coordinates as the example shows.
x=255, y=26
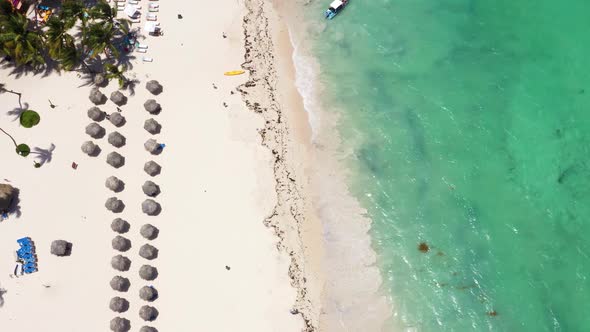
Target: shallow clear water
x=470, y=124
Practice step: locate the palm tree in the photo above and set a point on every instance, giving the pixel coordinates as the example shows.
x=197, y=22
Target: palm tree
x=99, y=39
x=113, y=72
x=21, y=149
x=73, y=11
x=103, y=11
x=21, y=43
x=60, y=44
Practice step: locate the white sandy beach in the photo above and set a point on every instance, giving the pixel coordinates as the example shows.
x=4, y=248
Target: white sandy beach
x=217, y=187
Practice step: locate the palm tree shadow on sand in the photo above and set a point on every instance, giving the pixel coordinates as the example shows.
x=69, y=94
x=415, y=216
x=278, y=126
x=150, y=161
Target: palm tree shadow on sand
x=44, y=155
x=15, y=204
x=17, y=111
x=2, y=292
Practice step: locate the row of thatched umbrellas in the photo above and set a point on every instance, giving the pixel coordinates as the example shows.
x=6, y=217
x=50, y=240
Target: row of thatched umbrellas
x=149, y=206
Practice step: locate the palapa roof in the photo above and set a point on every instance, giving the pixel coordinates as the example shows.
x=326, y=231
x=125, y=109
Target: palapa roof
x=148, y=251
x=150, y=207
x=150, y=188
x=121, y=243
x=117, y=119
x=152, y=168
x=119, y=324
x=114, y=183
x=115, y=159
x=114, y=204
x=90, y=148
x=149, y=231
x=116, y=139
x=120, y=226
x=148, y=293
x=152, y=146
x=60, y=247
x=96, y=114
x=148, y=329
x=120, y=284
x=154, y=87
x=148, y=313
x=95, y=130
x=152, y=126
x=7, y=193
x=120, y=263
x=118, y=304
x=148, y=272
x=118, y=98
x=152, y=106
x=97, y=97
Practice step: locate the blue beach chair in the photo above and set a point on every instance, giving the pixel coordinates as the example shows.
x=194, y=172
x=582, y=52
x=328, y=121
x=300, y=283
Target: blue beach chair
x=25, y=241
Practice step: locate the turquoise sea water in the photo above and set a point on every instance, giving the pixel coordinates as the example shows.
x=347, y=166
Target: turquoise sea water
x=470, y=123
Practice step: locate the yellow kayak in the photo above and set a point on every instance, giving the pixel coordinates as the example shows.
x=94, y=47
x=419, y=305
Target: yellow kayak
x=233, y=72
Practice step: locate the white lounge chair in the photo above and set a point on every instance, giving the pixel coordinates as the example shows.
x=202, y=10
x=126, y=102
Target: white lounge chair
x=152, y=17
x=142, y=46
x=154, y=5
x=135, y=20
x=147, y=59
x=140, y=50
x=153, y=10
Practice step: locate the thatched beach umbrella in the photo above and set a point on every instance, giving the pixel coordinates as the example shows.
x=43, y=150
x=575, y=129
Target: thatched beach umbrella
x=116, y=139
x=150, y=207
x=120, y=243
x=114, y=205
x=152, y=168
x=96, y=114
x=152, y=146
x=119, y=304
x=148, y=293
x=117, y=119
x=61, y=248
x=118, y=98
x=95, y=130
x=120, y=263
x=120, y=226
x=148, y=251
x=90, y=148
x=152, y=106
x=7, y=194
x=114, y=184
x=115, y=159
x=120, y=284
x=149, y=232
x=99, y=79
x=151, y=189
x=97, y=97
x=152, y=126
x=148, y=272
x=148, y=329
x=154, y=87
x=119, y=324
x=148, y=313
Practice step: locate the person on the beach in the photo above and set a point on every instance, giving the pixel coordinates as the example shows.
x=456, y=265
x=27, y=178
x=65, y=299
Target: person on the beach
x=74, y=165
x=51, y=104
x=119, y=110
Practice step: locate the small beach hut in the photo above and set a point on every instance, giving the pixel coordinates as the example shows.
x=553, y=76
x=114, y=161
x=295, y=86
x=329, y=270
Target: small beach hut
x=114, y=183
x=114, y=205
x=149, y=231
x=97, y=97
x=150, y=207
x=118, y=98
x=120, y=226
x=150, y=188
x=148, y=251
x=119, y=304
x=115, y=159
x=148, y=272
x=152, y=106
x=152, y=126
x=117, y=119
x=121, y=243
x=148, y=329
x=120, y=263
x=95, y=130
x=154, y=87
x=61, y=248
x=148, y=293
x=148, y=313
x=95, y=114
x=119, y=324
x=152, y=168
x=90, y=148
x=120, y=284
x=116, y=139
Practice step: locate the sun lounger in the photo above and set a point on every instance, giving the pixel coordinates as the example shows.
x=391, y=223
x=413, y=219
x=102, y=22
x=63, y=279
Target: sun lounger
x=140, y=50
x=29, y=268
x=142, y=46
x=153, y=10
x=147, y=59
x=135, y=20
x=24, y=240
x=152, y=18
x=154, y=5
